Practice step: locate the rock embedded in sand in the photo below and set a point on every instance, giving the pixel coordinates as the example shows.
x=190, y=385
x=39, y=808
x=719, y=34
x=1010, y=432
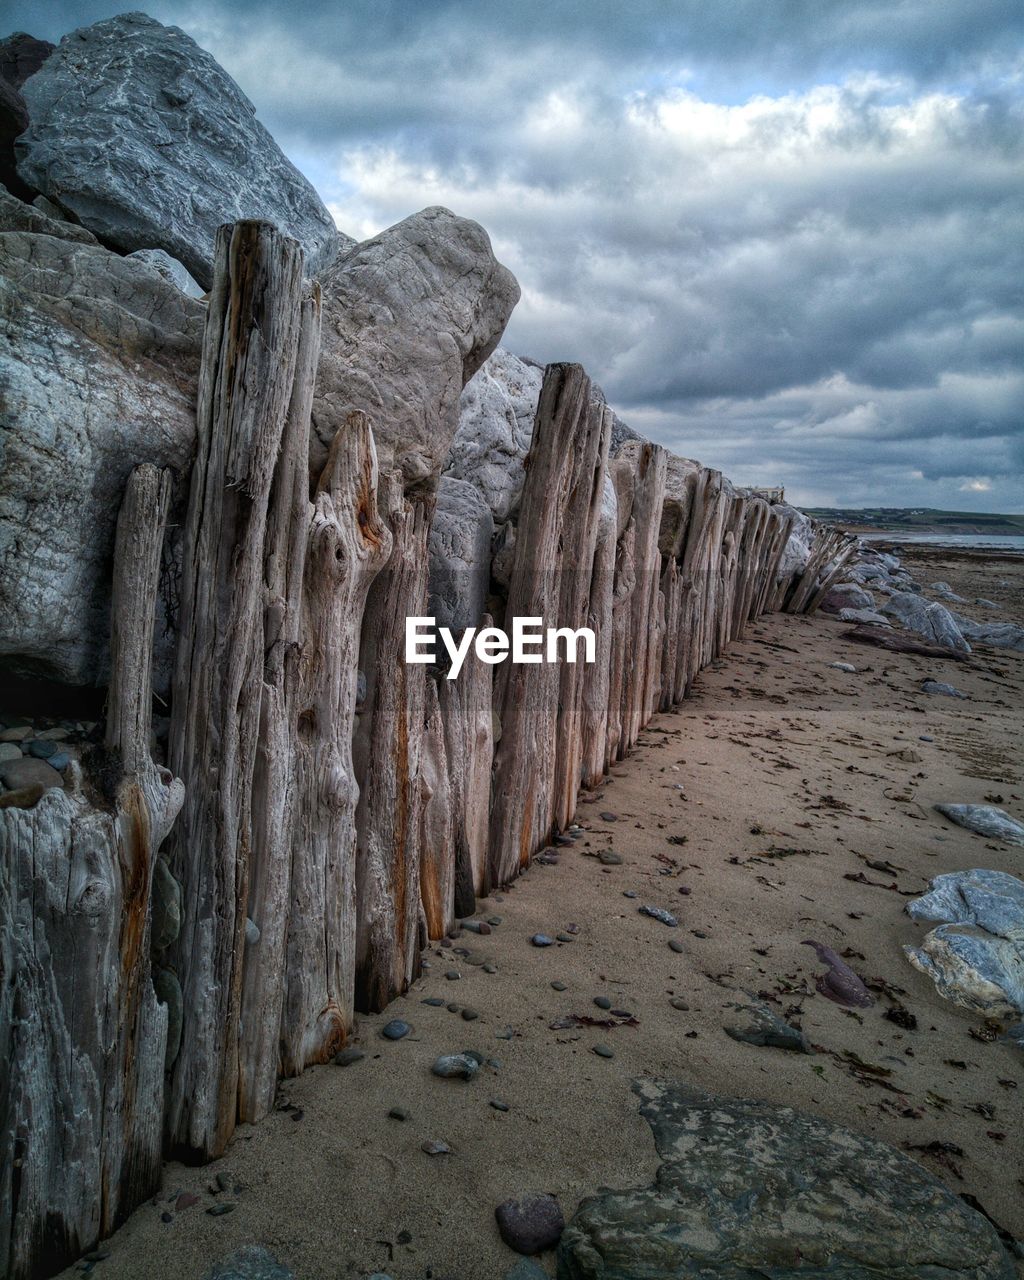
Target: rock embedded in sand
x=455, y=1066
x=396, y=1029
x=531, y=1223
x=749, y=1188
x=253, y=1262
x=348, y=1056
x=661, y=915
x=944, y=690
x=542, y=940
x=985, y=820
x=758, y=1025
x=840, y=983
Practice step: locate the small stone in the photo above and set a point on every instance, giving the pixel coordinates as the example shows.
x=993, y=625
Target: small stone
x=542, y=940
x=564, y=937
x=453, y=975
x=603, y=1051
x=185, y=1201
x=396, y=1029
x=608, y=858
x=347, y=1056
x=97, y=1255
x=562, y=841
x=398, y=1113
x=434, y=1147
x=470, y=1015
x=22, y=797
x=498, y=1105
x=758, y=1025
x=677, y=1003
x=477, y=926
x=609, y=817
x=218, y=1210
x=494, y=921
x=42, y=749
x=530, y=1224
x=476, y=1055
x=28, y=772
x=453, y=1008
x=924, y=737
x=223, y=1182
x=455, y=1066
x=602, y=1002
x=434, y=1001
x=60, y=761
x=166, y=1217
x=848, y=667
x=945, y=690
x=675, y=945
x=490, y=968
x=660, y=914
x=630, y=893
x=9, y=751
x=559, y=986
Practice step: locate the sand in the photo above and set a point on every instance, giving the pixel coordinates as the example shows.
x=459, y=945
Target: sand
x=770, y=788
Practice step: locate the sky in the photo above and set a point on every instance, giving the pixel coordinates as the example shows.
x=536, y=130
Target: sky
x=785, y=236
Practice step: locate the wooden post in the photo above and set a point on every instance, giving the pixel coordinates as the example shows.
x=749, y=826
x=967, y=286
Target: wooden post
x=469, y=750
x=437, y=834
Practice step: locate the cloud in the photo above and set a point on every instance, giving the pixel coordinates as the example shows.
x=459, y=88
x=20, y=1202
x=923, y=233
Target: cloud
x=786, y=238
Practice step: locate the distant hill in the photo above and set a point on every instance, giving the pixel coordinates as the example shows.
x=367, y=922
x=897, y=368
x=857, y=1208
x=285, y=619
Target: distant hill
x=919, y=519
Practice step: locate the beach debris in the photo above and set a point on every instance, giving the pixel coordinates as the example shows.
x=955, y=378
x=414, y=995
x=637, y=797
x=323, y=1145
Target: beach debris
x=758, y=1025
x=985, y=820
x=530, y=1223
x=816, y=1198
x=660, y=914
x=840, y=983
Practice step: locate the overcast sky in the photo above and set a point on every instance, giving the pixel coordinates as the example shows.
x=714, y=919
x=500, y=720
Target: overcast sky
x=786, y=236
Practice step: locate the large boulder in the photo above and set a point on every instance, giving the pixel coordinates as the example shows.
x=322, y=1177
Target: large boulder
x=847, y=595
x=496, y=414
x=140, y=134
x=993, y=635
x=460, y=555
x=408, y=317
x=99, y=359
x=933, y=621
x=749, y=1189
x=21, y=56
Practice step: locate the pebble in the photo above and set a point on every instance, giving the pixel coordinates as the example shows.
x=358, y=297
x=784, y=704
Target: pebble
x=470, y=1015
x=476, y=1055
x=42, y=749
x=699, y=933
x=9, y=751
x=559, y=986
x=218, y=1210
x=531, y=1223
x=166, y=1217
x=347, y=1056
x=609, y=859
x=498, y=1105
x=434, y=1001
x=453, y=975
x=659, y=914
x=398, y=1113
x=603, y=1051
x=563, y=937
x=490, y=968
x=453, y=1008
x=434, y=1147
x=223, y=1182
x=848, y=667
x=602, y=1002
x=609, y=817
x=630, y=893
x=680, y=1004
x=455, y=1066
x=542, y=940
x=494, y=921
x=563, y=841
x=477, y=926
x=396, y=1029
x=185, y=1201
x=28, y=771
x=925, y=738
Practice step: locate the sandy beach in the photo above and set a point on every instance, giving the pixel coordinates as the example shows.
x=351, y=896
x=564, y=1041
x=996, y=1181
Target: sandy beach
x=785, y=801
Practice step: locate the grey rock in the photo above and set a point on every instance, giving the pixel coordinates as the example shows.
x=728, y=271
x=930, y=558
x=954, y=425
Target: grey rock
x=608, y=858
x=863, y=615
x=408, y=318
x=455, y=1066
x=526, y=1269
x=348, y=1056
x=756, y=1024
x=396, y=1029
x=170, y=269
x=27, y=772
x=460, y=558
x=985, y=820
x=496, y=414
x=9, y=751
x=40, y=749
x=747, y=1188
x=933, y=621
x=848, y=667
x=99, y=360
x=151, y=145
x=944, y=590
x=252, y=1262
x=847, y=595
x=603, y=1051
x=868, y=572
x=993, y=900
x=986, y=604
x=166, y=919
x=660, y=914
x=168, y=992
x=936, y=687
x=542, y=940
x=434, y=1147
x=17, y=215
x=995, y=635
x=530, y=1223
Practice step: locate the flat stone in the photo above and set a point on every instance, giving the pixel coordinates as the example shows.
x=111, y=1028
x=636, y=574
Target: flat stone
x=435, y=1147
x=564, y=937
x=530, y=1223
x=396, y=1029
x=28, y=772
x=453, y=975
x=348, y=1056
x=498, y=1105
x=41, y=748
x=602, y=1002
x=470, y=1015
x=60, y=761
x=944, y=690
x=677, y=1003
x=542, y=940
x=756, y=1024
x=750, y=1188
x=608, y=858
x=253, y=1262
x=603, y=1051
x=526, y=1269
x=675, y=945
x=455, y=1066
x=434, y=1001
x=559, y=986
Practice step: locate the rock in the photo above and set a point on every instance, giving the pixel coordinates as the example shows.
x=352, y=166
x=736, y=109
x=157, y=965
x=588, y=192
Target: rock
x=866, y=572
x=170, y=269
x=499, y=1105
x=933, y=621
x=985, y=820
x=559, y=986
x=252, y=1262
x=531, y=1223
x=100, y=359
x=660, y=914
x=455, y=1066
x=435, y=1001
x=151, y=145
x=758, y=1025
x=168, y=992
x=470, y=1015
x=26, y=772
x=748, y=1188
x=9, y=751
x=41, y=750
x=848, y=667
x=602, y=1002
x=434, y=1147
x=460, y=559
x=995, y=635
x=398, y=1113
x=678, y=1003
x=408, y=318
x=847, y=595
x=976, y=956
x=944, y=590
x=869, y=616
x=348, y=1056
x=603, y=1051
x=166, y=918
x=219, y=1210
x=496, y=414
x=675, y=945
x=526, y=1269
x=396, y=1029
x=982, y=603
x=17, y=733
x=944, y=690
x=542, y=940
x=22, y=797
x=608, y=858
x=840, y=983
x=21, y=56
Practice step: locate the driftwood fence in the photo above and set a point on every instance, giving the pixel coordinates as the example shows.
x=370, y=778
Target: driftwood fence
x=174, y=940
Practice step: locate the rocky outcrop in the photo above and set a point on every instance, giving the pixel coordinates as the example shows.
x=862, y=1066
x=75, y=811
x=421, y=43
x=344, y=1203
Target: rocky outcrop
x=409, y=316
x=20, y=56
x=748, y=1188
x=149, y=143
x=98, y=363
x=933, y=621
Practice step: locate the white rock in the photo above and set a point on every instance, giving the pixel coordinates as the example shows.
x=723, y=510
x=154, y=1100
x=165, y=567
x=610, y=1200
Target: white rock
x=933, y=621
x=847, y=595
x=460, y=555
x=171, y=270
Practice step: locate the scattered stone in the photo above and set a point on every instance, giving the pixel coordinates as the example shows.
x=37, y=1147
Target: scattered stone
x=398, y=1113
x=660, y=914
x=602, y=1002
x=252, y=1262
x=846, y=595
x=675, y=945
x=498, y=1105
x=609, y=859
x=933, y=621
x=166, y=914
x=476, y=926
x=9, y=751
x=434, y=1147
x=28, y=772
x=677, y=1003
x=490, y=968
x=559, y=986
x=453, y=1008
x=223, y=1207
x=348, y=1056
x=453, y=975
x=396, y=1029
x=564, y=937
x=840, y=983
x=542, y=940
x=531, y=1223
x=455, y=1066
x=434, y=1001
x=984, y=819
x=749, y=1188
x=945, y=690
x=848, y=667
x=756, y=1024
x=470, y=1015
x=603, y=1051
x=494, y=921
x=609, y=817
x=630, y=893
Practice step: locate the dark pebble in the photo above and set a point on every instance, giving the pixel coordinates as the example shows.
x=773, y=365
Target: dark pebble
x=559, y=986
x=60, y=761
x=542, y=940
x=602, y=1002
x=166, y=1217
x=470, y=1015
x=530, y=1224
x=676, y=946
x=563, y=937
x=218, y=1210
x=398, y=1113
x=498, y=1105
x=396, y=1029
x=435, y=1002
x=609, y=817
x=630, y=893
x=699, y=933
x=680, y=1004
x=453, y=975
x=490, y=968
x=348, y=1056
x=453, y=1008
x=609, y=859
x=603, y=1051
x=494, y=921
x=223, y=1182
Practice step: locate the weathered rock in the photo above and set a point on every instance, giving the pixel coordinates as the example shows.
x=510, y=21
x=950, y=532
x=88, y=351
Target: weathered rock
x=252, y=1262
x=995, y=635
x=992, y=900
x=531, y=1223
x=99, y=360
x=496, y=415
x=409, y=317
x=141, y=134
x=21, y=55
x=846, y=595
x=869, y=616
x=751, y=1189
x=170, y=269
x=28, y=772
x=944, y=590
x=941, y=689
x=17, y=215
x=460, y=556
x=458, y=1066
x=985, y=820
x=758, y=1025
x=933, y=621
x=839, y=983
